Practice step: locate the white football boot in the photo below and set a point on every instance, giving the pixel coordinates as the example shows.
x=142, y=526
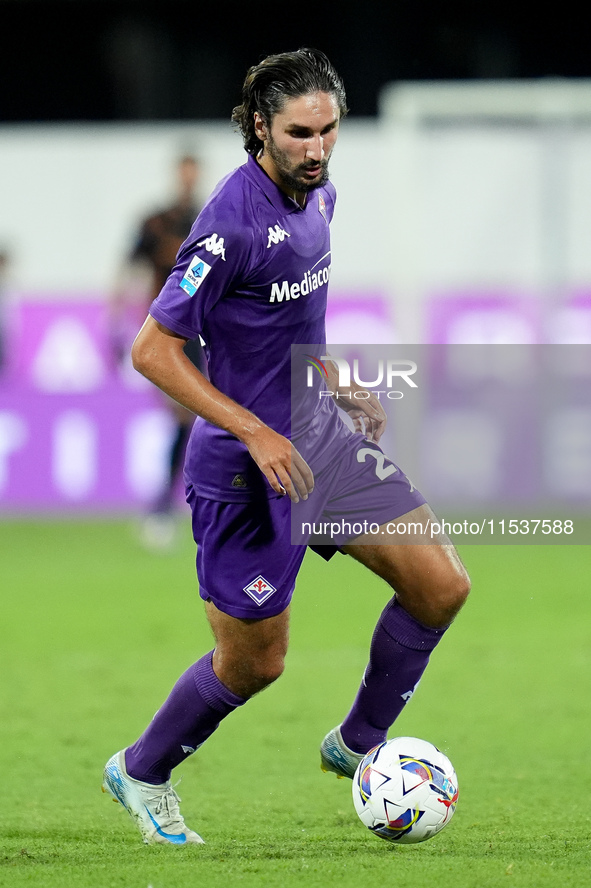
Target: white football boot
x=155, y=809
x=335, y=756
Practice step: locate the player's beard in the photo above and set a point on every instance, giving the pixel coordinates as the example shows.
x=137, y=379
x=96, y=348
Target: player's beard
x=292, y=177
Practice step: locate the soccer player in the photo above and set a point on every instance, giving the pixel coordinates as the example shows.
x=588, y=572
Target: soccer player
x=263, y=232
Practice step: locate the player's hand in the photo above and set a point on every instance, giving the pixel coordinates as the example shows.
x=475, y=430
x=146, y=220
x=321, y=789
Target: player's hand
x=368, y=415
x=284, y=468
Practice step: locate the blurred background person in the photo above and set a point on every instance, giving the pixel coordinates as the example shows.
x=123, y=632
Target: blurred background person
x=4, y=259
x=143, y=275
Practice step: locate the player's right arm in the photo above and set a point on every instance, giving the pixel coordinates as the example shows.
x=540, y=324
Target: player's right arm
x=157, y=354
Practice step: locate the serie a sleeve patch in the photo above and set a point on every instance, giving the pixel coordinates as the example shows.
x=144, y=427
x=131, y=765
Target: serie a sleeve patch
x=194, y=275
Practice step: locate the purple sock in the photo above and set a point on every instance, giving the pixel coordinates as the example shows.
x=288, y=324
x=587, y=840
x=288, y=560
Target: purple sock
x=398, y=656
x=193, y=710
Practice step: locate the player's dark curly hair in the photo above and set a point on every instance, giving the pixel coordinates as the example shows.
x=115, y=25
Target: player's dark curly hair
x=287, y=75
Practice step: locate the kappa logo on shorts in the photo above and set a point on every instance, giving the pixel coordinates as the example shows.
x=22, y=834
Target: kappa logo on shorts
x=259, y=590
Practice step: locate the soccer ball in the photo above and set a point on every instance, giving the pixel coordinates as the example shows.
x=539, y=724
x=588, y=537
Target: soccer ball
x=405, y=790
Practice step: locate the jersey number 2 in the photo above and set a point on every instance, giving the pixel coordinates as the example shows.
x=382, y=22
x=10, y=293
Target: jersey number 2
x=382, y=471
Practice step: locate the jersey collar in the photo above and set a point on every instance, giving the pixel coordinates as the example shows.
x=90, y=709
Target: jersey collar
x=278, y=198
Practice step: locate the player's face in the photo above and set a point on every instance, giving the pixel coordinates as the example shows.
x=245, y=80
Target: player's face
x=298, y=144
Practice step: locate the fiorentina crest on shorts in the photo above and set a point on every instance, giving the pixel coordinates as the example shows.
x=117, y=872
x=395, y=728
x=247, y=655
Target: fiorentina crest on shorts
x=259, y=590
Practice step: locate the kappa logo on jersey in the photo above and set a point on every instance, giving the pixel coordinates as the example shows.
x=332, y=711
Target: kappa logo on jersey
x=322, y=208
x=276, y=235
x=214, y=245
x=194, y=275
x=259, y=590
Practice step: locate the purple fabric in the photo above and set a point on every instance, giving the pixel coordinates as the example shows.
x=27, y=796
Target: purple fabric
x=399, y=654
x=359, y=484
x=249, y=553
x=190, y=714
x=251, y=279
x=245, y=561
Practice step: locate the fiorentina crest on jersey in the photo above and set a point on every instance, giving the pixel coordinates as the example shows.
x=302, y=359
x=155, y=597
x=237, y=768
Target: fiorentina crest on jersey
x=322, y=208
x=259, y=590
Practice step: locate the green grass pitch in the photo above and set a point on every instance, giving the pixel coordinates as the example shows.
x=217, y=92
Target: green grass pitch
x=95, y=630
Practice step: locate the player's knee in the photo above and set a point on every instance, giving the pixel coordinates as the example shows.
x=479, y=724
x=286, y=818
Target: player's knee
x=258, y=670
x=461, y=590
x=437, y=603
x=246, y=672
x=451, y=596
x=265, y=670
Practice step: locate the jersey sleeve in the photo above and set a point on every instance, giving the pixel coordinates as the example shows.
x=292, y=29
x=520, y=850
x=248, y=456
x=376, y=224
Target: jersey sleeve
x=209, y=264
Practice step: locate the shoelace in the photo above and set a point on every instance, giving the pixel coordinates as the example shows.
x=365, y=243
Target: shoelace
x=168, y=801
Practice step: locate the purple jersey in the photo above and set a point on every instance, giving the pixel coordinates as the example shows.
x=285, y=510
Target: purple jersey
x=251, y=279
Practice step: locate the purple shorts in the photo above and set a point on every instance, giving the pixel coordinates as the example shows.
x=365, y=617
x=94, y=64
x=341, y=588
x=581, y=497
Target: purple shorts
x=249, y=553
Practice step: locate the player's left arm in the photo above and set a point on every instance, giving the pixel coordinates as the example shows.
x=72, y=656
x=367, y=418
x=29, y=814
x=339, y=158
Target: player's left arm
x=367, y=413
